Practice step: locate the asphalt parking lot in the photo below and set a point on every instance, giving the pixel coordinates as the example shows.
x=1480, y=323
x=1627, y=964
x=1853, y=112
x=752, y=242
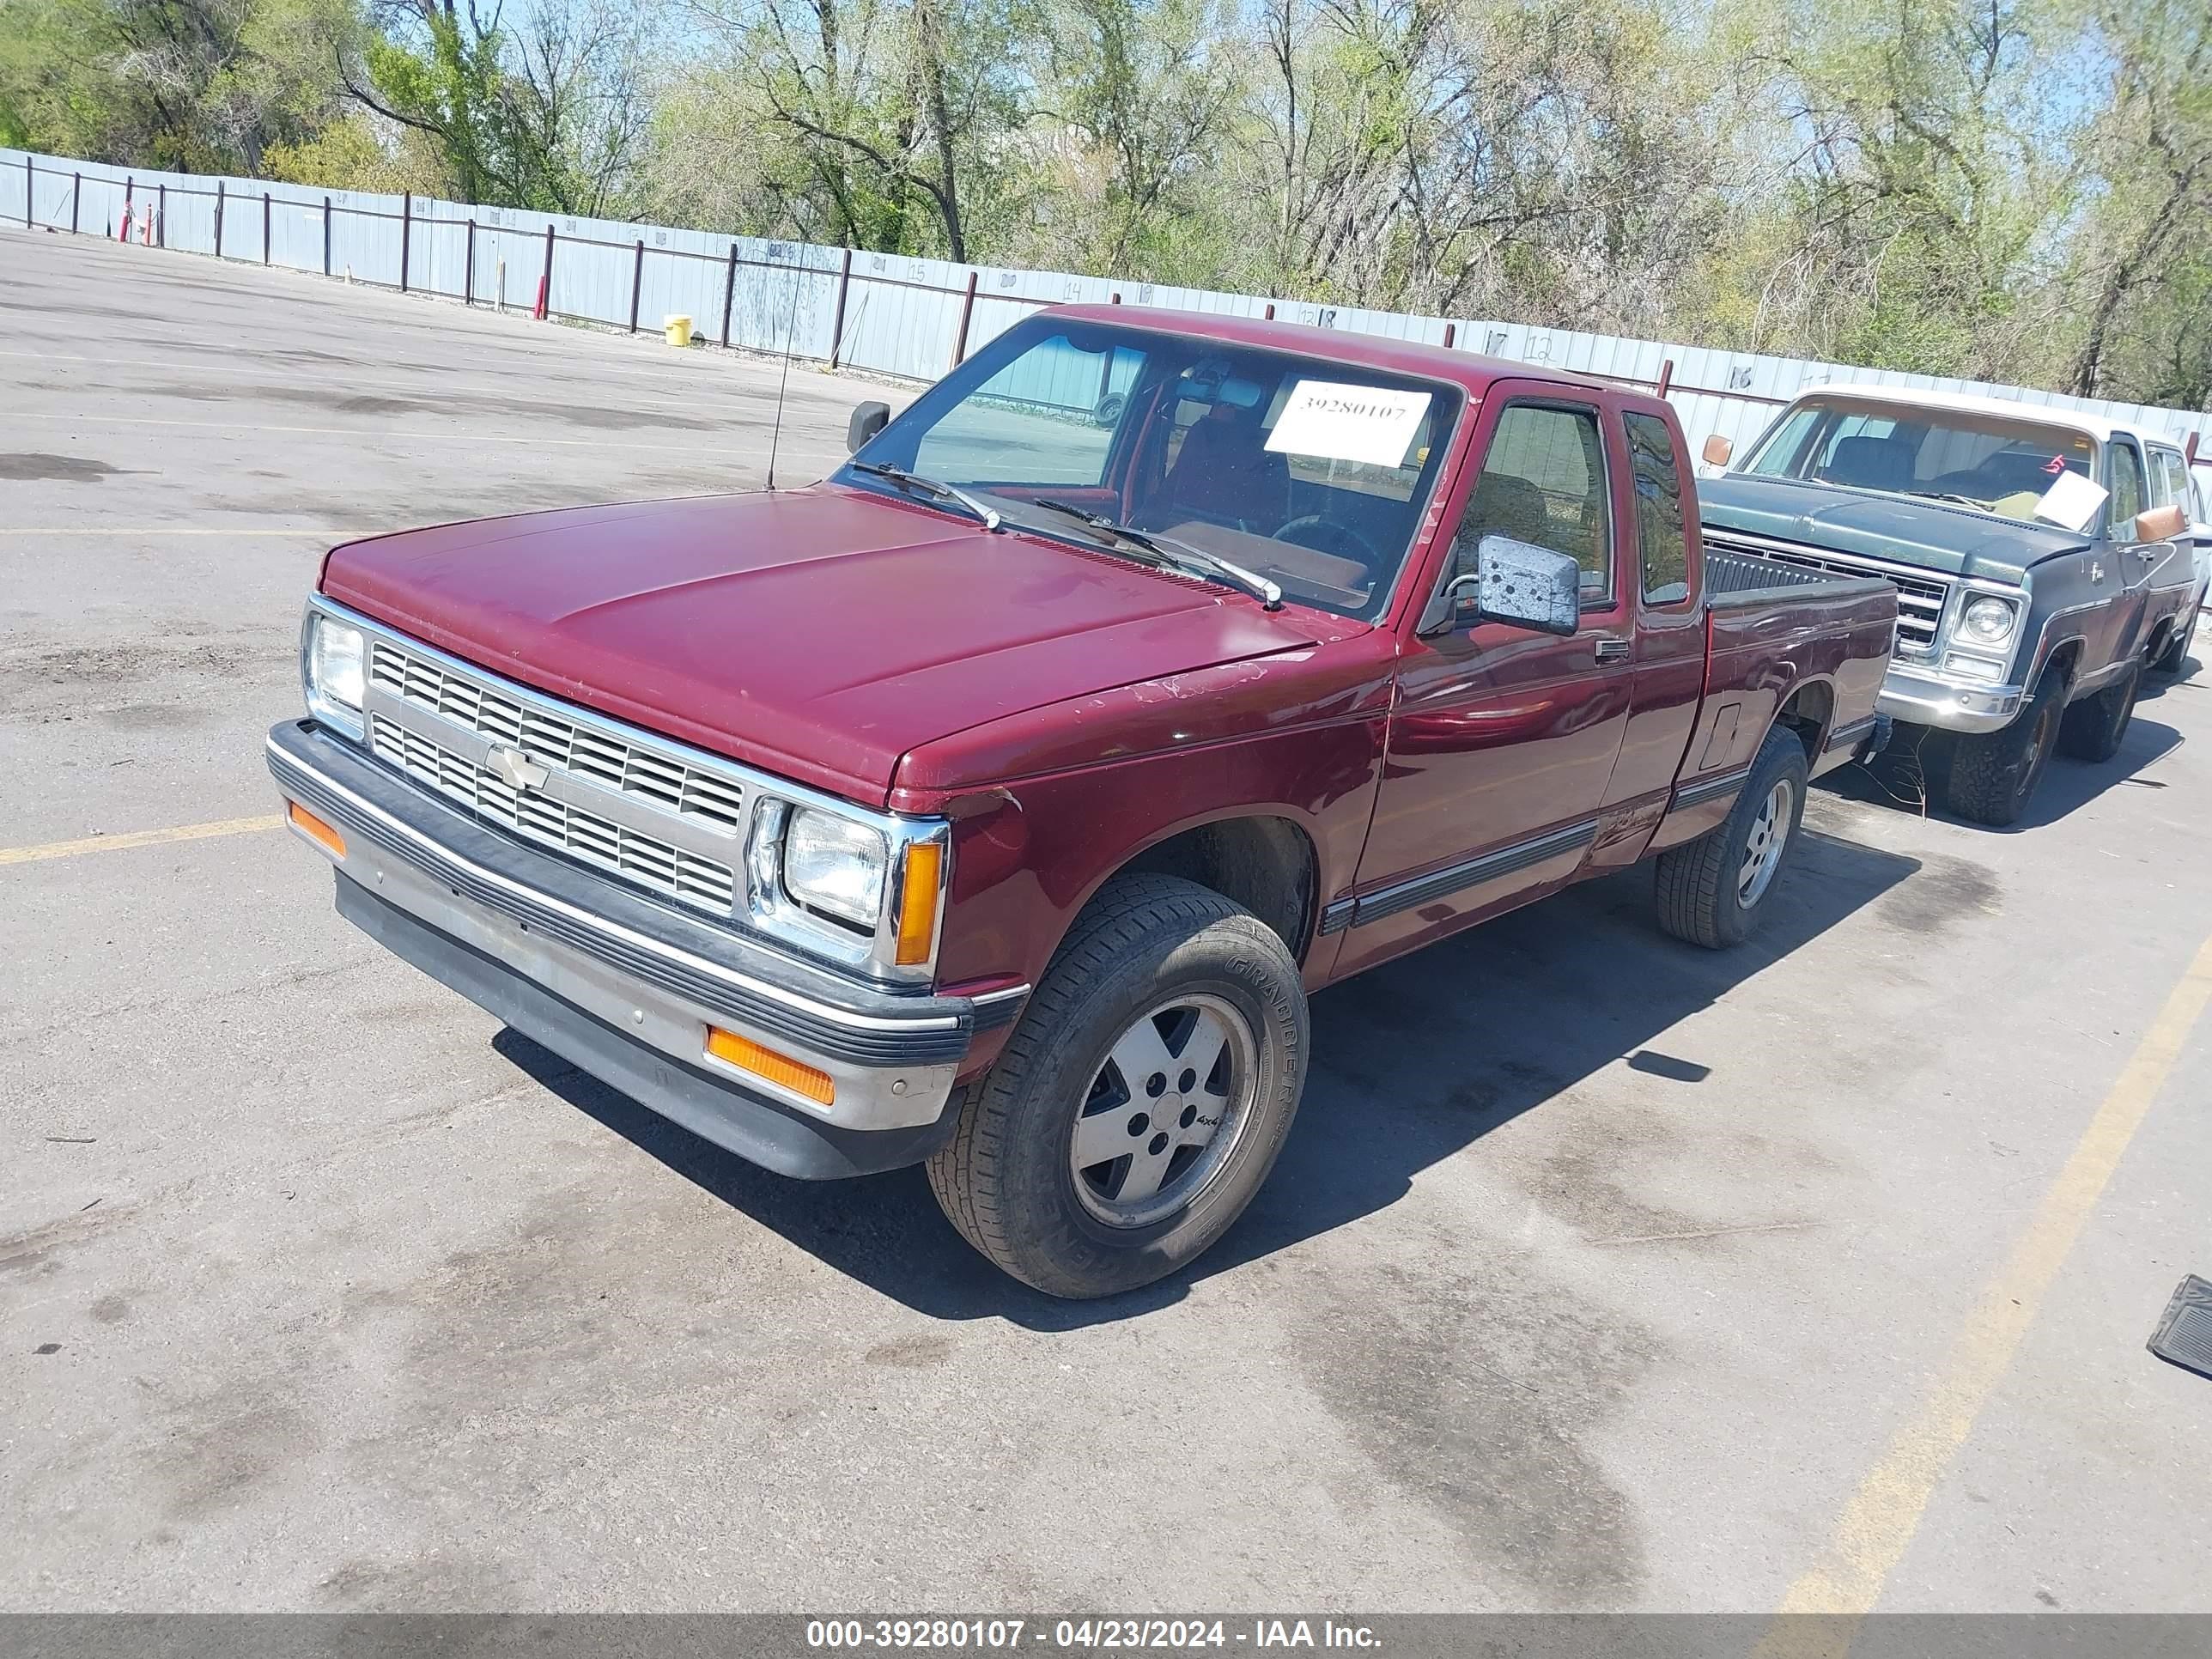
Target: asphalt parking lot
x=1601, y=1272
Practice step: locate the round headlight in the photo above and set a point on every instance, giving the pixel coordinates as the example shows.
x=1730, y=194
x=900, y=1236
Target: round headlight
x=1987, y=621
x=835, y=865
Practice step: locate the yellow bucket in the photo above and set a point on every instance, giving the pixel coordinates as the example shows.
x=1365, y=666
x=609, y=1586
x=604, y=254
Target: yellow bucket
x=677, y=329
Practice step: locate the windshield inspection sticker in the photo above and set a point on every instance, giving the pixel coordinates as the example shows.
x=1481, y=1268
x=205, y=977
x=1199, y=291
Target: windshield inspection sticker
x=2072, y=502
x=1341, y=423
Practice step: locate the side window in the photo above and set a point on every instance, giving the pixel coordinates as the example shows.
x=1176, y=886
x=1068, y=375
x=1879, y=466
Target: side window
x=1543, y=482
x=2173, y=481
x=1658, y=510
x=2126, y=472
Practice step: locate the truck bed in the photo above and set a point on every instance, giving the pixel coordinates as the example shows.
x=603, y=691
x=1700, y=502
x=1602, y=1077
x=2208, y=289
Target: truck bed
x=1736, y=579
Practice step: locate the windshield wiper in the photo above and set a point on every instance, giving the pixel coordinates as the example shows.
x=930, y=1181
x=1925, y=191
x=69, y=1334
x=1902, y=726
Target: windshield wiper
x=915, y=484
x=1176, y=551
x=1949, y=495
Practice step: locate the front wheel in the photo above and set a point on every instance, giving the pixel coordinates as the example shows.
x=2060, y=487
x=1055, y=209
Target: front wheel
x=1710, y=890
x=1993, y=775
x=1140, y=1101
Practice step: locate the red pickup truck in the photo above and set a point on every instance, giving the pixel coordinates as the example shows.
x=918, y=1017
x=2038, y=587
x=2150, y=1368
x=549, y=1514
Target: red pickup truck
x=998, y=802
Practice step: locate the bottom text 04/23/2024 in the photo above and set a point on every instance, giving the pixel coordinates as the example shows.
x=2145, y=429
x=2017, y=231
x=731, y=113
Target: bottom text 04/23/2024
x=1088, y=1634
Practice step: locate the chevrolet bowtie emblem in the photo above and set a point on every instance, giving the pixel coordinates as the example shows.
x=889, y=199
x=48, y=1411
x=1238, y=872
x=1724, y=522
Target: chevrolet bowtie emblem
x=516, y=769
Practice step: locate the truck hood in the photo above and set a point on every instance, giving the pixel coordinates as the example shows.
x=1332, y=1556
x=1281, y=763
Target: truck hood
x=820, y=634
x=1930, y=535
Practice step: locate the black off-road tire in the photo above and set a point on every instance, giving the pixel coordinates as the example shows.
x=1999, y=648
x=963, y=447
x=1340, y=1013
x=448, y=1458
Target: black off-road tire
x=1992, y=776
x=2175, y=657
x=1699, y=890
x=1005, y=1179
x=2094, y=727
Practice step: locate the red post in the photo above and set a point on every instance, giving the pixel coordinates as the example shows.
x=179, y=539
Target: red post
x=1451, y=333
x=1113, y=299
x=1666, y=376
x=1271, y=311
x=967, y=312
x=545, y=280
x=2189, y=449
x=264, y=226
x=838, y=322
x=406, y=234
x=123, y=234
x=636, y=282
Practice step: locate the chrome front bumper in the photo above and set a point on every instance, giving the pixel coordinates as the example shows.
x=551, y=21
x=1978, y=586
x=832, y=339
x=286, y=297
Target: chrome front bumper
x=625, y=987
x=1928, y=699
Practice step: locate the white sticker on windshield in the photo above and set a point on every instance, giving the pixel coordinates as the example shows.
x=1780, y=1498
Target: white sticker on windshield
x=1341, y=423
x=2072, y=502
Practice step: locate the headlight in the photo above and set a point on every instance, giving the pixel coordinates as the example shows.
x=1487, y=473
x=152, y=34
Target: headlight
x=835, y=865
x=1987, y=621
x=336, y=671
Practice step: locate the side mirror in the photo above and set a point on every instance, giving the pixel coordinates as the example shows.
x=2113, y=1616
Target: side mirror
x=2159, y=524
x=865, y=421
x=1516, y=582
x=1718, y=450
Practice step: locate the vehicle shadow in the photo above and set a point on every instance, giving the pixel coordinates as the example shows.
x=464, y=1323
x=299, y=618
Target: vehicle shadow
x=1413, y=1062
x=1896, y=781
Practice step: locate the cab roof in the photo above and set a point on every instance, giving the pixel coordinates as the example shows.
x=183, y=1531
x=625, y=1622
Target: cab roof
x=1964, y=403
x=1468, y=369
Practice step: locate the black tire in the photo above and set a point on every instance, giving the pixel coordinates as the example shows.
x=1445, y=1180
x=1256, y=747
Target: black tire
x=2175, y=657
x=2095, y=726
x=1993, y=775
x=1006, y=1180
x=1705, y=893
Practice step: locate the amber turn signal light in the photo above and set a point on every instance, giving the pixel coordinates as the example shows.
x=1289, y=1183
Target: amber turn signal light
x=917, y=926
x=317, y=831
x=780, y=1069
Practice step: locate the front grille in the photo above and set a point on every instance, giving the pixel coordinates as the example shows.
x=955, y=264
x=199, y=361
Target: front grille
x=551, y=740
x=1919, y=597
x=645, y=860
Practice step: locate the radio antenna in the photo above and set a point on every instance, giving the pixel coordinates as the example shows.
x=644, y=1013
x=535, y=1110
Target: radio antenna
x=790, y=328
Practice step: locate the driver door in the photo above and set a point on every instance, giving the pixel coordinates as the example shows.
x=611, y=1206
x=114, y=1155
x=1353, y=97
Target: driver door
x=1503, y=740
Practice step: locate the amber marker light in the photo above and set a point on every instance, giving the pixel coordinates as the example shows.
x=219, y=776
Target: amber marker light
x=316, y=830
x=780, y=1069
x=917, y=924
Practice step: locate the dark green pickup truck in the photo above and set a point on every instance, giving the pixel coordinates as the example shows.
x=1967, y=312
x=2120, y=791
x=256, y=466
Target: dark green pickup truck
x=2038, y=573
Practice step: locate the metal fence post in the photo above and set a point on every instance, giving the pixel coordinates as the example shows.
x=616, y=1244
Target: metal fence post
x=729, y=293
x=130, y=182
x=545, y=277
x=837, y=322
x=406, y=234
x=469, y=274
x=30, y=177
x=218, y=218
x=1666, y=376
x=161, y=215
x=264, y=226
x=636, y=281
x=1451, y=333
x=967, y=311
x=76, y=189
x=326, y=235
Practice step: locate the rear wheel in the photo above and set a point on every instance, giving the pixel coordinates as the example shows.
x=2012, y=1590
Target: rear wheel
x=2094, y=727
x=1710, y=892
x=1993, y=775
x=2175, y=657
x=1141, y=1101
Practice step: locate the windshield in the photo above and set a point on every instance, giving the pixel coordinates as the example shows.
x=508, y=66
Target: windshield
x=1307, y=473
x=1993, y=463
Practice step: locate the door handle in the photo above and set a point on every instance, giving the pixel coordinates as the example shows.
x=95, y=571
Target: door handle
x=1612, y=650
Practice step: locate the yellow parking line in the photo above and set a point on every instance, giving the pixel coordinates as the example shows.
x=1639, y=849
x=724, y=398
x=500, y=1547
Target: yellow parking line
x=69, y=849
x=1879, y=1522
